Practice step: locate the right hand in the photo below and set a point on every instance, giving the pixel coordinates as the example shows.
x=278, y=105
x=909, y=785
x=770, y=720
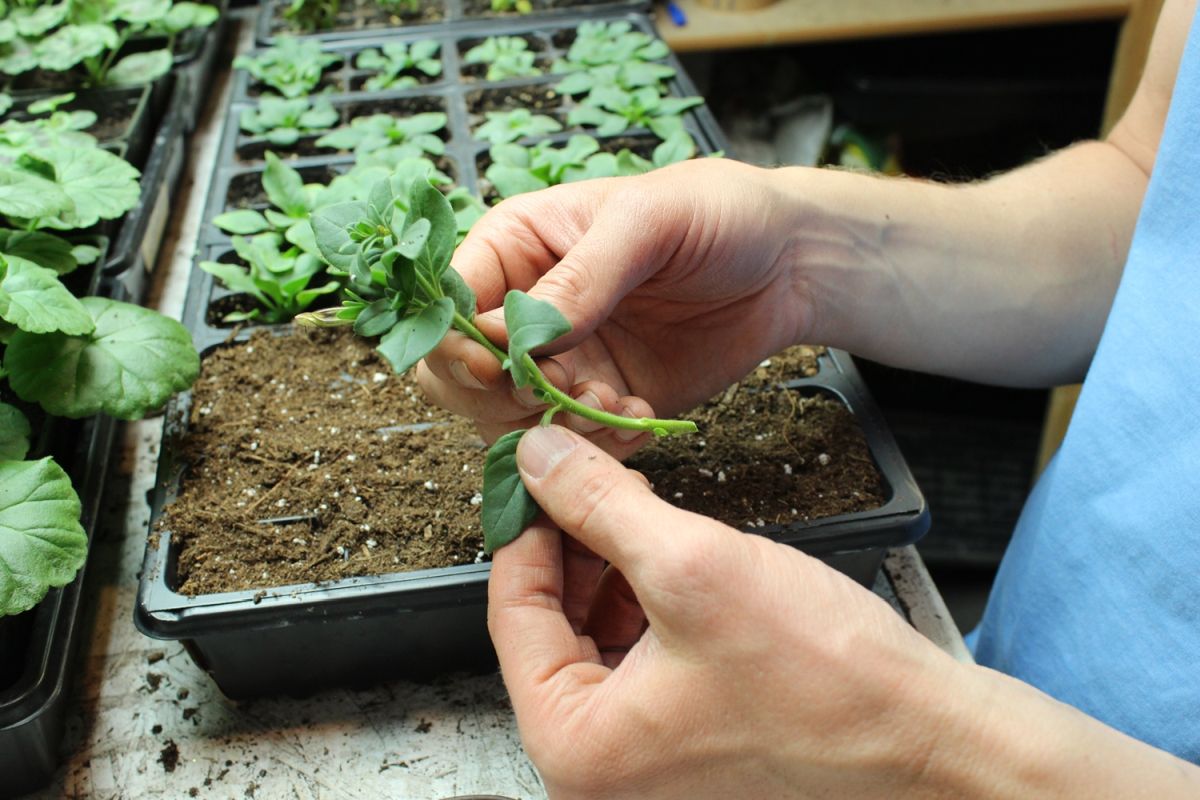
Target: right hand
x=674, y=282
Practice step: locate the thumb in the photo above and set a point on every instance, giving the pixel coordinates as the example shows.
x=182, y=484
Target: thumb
x=608, y=508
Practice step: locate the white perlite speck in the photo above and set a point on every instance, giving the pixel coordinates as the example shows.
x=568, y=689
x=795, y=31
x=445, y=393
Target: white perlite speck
x=824, y=459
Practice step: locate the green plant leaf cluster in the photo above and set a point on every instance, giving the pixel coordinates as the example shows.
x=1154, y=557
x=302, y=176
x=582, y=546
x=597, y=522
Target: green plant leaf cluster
x=505, y=57
x=282, y=120
x=90, y=36
x=612, y=111
x=293, y=67
x=395, y=61
x=277, y=277
x=515, y=6
x=376, y=131
x=515, y=169
x=502, y=127
x=395, y=246
x=312, y=15
x=598, y=43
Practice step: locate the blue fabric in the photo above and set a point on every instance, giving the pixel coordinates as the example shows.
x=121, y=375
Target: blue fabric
x=1097, y=601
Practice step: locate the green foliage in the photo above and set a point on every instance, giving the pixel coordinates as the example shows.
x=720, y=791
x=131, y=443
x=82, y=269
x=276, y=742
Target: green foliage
x=132, y=361
x=14, y=433
x=612, y=111
x=277, y=278
x=516, y=169
x=293, y=67
x=366, y=134
x=42, y=544
x=89, y=36
x=599, y=43
x=401, y=7
x=32, y=299
x=312, y=15
x=282, y=121
x=502, y=127
x=395, y=248
x=516, y=6
x=628, y=76
x=505, y=57
x=396, y=59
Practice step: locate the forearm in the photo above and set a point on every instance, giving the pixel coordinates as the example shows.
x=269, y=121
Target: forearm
x=998, y=737
x=1007, y=280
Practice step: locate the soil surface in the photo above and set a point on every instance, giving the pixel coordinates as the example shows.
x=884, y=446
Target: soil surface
x=316, y=428
x=309, y=460
x=365, y=14
x=766, y=457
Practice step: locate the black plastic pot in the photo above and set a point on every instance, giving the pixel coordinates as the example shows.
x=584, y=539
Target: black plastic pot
x=135, y=247
x=36, y=648
x=457, y=14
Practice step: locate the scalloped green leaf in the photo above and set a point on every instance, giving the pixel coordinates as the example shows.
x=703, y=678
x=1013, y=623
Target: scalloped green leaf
x=139, y=68
x=101, y=185
x=508, y=507
x=42, y=544
x=33, y=299
x=134, y=360
x=14, y=433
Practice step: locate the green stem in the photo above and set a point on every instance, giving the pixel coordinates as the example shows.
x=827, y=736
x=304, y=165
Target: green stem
x=561, y=401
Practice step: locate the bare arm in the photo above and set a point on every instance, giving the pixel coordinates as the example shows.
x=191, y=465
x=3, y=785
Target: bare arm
x=1008, y=280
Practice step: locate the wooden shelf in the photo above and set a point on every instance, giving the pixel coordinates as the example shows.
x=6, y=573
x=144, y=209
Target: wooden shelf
x=795, y=21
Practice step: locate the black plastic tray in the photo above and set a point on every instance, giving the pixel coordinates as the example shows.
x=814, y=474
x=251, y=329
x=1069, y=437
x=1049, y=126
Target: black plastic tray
x=134, y=252
x=197, y=63
x=454, y=16
x=33, y=707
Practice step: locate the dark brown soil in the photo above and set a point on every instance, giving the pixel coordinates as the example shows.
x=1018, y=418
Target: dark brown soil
x=365, y=15
x=309, y=428
x=396, y=106
x=245, y=190
x=766, y=457
x=538, y=99
x=256, y=149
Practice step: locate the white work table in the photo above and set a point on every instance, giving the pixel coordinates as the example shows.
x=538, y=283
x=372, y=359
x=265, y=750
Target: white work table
x=144, y=721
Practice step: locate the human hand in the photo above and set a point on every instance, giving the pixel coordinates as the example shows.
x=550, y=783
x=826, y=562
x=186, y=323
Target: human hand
x=762, y=672
x=673, y=281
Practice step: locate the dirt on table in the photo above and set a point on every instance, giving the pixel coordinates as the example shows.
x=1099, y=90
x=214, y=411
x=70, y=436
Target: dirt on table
x=310, y=460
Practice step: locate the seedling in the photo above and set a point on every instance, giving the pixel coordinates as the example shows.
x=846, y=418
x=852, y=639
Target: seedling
x=517, y=6
x=505, y=56
x=282, y=121
x=276, y=277
x=516, y=169
x=401, y=7
x=293, y=67
x=509, y=126
x=313, y=15
x=395, y=249
x=612, y=111
x=395, y=59
x=628, y=76
x=365, y=134
x=598, y=43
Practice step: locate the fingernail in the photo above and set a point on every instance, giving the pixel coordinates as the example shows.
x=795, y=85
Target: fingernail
x=583, y=424
x=625, y=435
x=464, y=377
x=542, y=447
x=525, y=397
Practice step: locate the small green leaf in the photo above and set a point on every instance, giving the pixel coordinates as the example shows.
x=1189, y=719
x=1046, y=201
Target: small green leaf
x=48, y=104
x=508, y=508
x=71, y=44
x=426, y=202
x=458, y=291
x=42, y=543
x=133, y=361
x=679, y=146
x=376, y=319
x=28, y=196
x=414, y=336
x=531, y=323
x=285, y=187
x=139, y=68
x=244, y=221
x=14, y=433
x=331, y=226
x=100, y=184
x=43, y=249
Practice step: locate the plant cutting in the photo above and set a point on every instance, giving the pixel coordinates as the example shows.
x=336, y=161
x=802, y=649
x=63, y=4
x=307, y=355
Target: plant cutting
x=505, y=57
x=391, y=63
x=516, y=169
x=58, y=37
x=293, y=67
x=395, y=250
x=502, y=127
x=282, y=121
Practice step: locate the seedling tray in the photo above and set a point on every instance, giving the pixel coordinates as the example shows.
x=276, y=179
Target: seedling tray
x=455, y=14
x=196, y=63
x=38, y=646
